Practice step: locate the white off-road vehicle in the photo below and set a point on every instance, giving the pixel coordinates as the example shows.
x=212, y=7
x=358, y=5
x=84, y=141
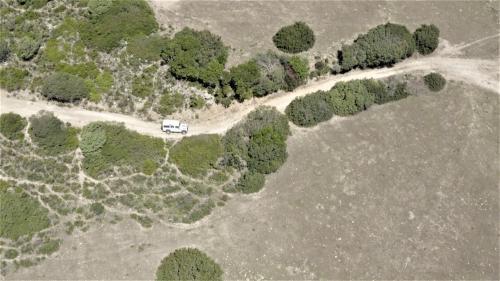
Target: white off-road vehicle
x=174, y=126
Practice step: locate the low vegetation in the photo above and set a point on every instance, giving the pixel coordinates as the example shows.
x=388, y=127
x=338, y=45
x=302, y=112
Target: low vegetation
x=188, y=264
x=195, y=155
x=64, y=87
x=345, y=98
x=250, y=182
x=109, y=22
x=170, y=103
x=434, y=81
x=12, y=126
x=426, y=38
x=383, y=45
x=294, y=38
x=13, y=78
x=51, y=134
x=19, y=213
x=109, y=145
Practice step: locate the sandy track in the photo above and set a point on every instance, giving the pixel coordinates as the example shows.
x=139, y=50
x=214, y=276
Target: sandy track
x=483, y=73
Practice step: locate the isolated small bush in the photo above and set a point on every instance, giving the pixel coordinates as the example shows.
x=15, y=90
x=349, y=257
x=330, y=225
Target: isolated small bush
x=12, y=125
x=64, y=87
x=250, y=182
x=188, y=264
x=309, y=110
x=11, y=254
x=97, y=208
x=294, y=38
x=434, y=81
x=49, y=247
x=426, y=38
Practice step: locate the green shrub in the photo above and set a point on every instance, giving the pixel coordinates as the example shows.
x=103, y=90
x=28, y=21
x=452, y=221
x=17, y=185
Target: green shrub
x=296, y=72
x=51, y=134
x=170, y=103
x=64, y=87
x=188, y=264
x=149, y=167
x=27, y=48
x=266, y=151
x=251, y=182
x=122, y=148
x=434, y=81
x=309, y=110
x=82, y=70
x=426, y=38
x=108, y=24
x=97, y=209
x=244, y=78
x=49, y=247
x=347, y=98
x=142, y=86
x=20, y=214
x=294, y=38
x=12, y=126
x=236, y=140
x=13, y=78
x=145, y=221
x=196, y=102
x=92, y=137
x=272, y=74
x=382, y=46
x=195, y=155
x=11, y=254
x=4, y=50
x=196, y=56
x=383, y=92
x=147, y=48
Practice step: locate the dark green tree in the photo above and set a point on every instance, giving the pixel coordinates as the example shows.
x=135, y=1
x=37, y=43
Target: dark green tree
x=196, y=56
x=266, y=151
x=426, y=38
x=294, y=38
x=381, y=46
x=188, y=264
x=244, y=78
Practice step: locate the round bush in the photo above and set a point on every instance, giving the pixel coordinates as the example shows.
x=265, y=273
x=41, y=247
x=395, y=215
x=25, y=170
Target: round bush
x=309, y=110
x=188, y=264
x=294, y=38
x=51, y=134
x=434, y=81
x=426, y=39
x=251, y=182
x=64, y=87
x=12, y=125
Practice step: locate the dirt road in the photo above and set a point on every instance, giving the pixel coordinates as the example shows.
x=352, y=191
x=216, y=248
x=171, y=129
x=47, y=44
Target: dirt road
x=483, y=73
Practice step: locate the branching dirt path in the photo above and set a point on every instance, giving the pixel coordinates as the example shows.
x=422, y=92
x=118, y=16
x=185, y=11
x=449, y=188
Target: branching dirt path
x=483, y=73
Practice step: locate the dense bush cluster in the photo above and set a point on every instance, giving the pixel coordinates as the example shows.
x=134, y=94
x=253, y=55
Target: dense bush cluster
x=13, y=78
x=51, y=134
x=345, y=98
x=119, y=147
x=64, y=87
x=12, y=125
x=294, y=38
x=257, y=145
x=196, y=56
x=426, y=38
x=110, y=22
x=381, y=46
x=28, y=47
x=265, y=74
x=250, y=182
x=188, y=264
x=434, y=81
x=195, y=155
x=19, y=213
x=4, y=50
